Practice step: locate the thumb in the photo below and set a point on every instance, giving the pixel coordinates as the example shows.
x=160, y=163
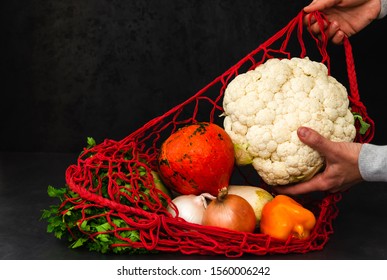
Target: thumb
x=314, y=140
x=313, y=6
x=316, y=5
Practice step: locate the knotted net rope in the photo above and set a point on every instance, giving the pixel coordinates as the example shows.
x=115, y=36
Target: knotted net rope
x=116, y=176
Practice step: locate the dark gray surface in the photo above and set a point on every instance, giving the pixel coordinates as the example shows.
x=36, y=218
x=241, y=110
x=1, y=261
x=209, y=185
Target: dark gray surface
x=359, y=229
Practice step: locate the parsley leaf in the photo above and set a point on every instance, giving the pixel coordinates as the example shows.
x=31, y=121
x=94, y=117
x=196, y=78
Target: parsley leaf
x=86, y=224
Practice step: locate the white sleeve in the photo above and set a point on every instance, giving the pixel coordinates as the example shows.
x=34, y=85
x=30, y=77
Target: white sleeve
x=383, y=10
x=373, y=163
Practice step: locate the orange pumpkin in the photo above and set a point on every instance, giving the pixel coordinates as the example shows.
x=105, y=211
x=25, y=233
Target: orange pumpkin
x=197, y=158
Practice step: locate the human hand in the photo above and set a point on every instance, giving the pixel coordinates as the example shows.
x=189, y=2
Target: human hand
x=341, y=165
x=345, y=17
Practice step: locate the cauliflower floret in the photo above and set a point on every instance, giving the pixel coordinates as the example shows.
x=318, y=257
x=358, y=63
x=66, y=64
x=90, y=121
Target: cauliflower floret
x=264, y=107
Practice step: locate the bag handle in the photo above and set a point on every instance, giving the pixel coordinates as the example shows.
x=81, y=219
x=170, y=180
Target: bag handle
x=354, y=97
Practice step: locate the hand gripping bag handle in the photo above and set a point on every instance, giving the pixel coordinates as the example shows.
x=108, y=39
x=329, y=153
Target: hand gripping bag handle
x=354, y=97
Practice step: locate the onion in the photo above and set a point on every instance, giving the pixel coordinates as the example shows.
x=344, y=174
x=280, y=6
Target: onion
x=189, y=207
x=256, y=196
x=230, y=211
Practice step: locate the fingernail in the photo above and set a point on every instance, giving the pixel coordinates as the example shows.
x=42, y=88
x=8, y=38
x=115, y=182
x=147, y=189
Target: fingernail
x=303, y=131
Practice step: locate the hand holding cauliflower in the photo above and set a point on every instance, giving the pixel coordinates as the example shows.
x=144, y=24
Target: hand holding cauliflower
x=264, y=107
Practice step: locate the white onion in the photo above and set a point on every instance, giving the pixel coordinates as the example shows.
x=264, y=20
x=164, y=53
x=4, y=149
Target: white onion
x=190, y=207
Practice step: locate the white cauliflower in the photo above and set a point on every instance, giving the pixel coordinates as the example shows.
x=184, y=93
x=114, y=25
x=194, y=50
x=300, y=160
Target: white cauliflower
x=264, y=107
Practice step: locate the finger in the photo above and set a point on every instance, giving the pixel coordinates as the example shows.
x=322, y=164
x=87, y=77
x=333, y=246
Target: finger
x=338, y=37
x=309, y=20
x=314, y=140
x=317, y=5
x=332, y=29
x=316, y=27
x=317, y=183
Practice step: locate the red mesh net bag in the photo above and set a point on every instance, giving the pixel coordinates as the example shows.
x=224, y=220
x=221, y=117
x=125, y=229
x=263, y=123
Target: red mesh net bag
x=115, y=177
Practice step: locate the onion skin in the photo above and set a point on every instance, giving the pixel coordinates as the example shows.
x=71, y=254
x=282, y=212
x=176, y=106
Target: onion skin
x=189, y=207
x=231, y=212
x=256, y=196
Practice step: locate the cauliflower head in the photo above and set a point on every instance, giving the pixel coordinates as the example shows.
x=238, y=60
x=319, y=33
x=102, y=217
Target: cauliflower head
x=264, y=107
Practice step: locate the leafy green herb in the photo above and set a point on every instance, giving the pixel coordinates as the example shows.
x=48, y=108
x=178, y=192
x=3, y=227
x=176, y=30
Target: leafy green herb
x=90, y=142
x=64, y=224
x=364, y=126
x=85, y=224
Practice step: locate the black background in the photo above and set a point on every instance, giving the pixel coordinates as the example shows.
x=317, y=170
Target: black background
x=73, y=69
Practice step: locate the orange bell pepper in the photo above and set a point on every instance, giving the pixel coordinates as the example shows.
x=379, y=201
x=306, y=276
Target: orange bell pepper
x=283, y=217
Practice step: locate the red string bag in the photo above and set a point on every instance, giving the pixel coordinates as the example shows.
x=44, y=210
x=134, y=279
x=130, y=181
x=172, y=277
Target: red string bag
x=142, y=207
